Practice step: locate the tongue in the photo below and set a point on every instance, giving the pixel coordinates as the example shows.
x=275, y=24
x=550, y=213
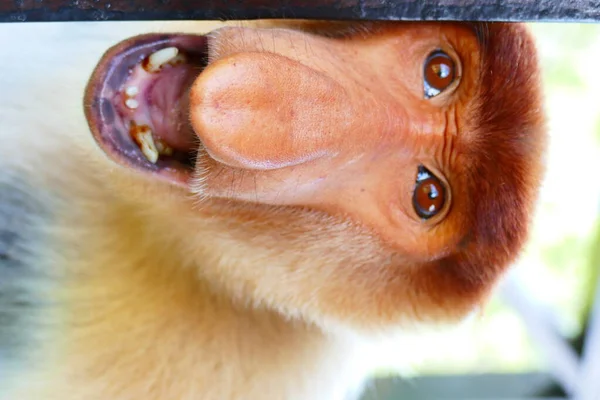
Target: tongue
x=168, y=104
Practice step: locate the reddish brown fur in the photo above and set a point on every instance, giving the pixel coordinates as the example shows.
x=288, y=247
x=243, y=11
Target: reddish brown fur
x=501, y=176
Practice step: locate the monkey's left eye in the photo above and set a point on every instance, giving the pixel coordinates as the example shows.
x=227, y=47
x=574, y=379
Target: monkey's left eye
x=429, y=195
x=439, y=72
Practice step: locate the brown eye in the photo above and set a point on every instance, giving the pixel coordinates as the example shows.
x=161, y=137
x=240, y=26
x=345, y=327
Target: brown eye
x=439, y=73
x=429, y=196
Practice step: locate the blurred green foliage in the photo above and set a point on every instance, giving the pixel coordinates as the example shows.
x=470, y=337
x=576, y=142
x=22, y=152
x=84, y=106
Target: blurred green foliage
x=567, y=40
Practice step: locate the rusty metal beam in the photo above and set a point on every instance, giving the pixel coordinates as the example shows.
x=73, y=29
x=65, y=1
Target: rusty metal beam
x=416, y=10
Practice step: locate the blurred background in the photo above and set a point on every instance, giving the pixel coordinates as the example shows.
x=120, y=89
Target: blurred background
x=519, y=341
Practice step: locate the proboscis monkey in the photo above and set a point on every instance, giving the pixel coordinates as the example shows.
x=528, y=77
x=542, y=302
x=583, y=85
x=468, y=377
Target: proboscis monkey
x=234, y=215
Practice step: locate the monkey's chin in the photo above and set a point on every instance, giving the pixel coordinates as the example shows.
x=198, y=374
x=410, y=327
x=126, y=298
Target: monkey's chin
x=137, y=100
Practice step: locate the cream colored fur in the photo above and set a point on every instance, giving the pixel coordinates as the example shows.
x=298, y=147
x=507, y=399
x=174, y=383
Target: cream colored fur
x=121, y=320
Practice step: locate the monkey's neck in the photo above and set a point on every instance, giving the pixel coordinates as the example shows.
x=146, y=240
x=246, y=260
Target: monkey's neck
x=141, y=325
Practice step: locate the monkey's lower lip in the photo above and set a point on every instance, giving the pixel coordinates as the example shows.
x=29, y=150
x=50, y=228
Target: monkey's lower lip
x=136, y=105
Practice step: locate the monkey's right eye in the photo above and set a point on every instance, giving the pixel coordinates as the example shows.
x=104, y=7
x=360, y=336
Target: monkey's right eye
x=439, y=72
x=429, y=196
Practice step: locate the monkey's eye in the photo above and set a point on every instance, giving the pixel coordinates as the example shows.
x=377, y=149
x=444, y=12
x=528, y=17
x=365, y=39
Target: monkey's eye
x=429, y=195
x=439, y=72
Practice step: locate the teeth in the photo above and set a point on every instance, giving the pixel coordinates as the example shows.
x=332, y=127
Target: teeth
x=132, y=103
x=163, y=149
x=179, y=59
x=161, y=57
x=132, y=91
x=147, y=145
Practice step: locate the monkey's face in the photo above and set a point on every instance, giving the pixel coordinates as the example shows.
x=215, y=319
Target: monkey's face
x=353, y=173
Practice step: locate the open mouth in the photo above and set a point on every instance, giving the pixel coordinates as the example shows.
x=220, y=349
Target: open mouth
x=137, y=103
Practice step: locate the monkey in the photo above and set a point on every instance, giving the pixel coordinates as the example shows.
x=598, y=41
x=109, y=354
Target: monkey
x=240, y=210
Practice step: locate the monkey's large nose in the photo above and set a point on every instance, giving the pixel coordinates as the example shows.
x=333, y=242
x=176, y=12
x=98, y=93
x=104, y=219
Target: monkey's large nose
x=264, y=111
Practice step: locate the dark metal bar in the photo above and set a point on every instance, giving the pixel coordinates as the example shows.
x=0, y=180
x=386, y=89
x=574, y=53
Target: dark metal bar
x=416, y=10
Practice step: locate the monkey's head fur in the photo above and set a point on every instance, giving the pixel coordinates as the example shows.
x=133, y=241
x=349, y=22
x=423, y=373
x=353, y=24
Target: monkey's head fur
x=362, y=175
